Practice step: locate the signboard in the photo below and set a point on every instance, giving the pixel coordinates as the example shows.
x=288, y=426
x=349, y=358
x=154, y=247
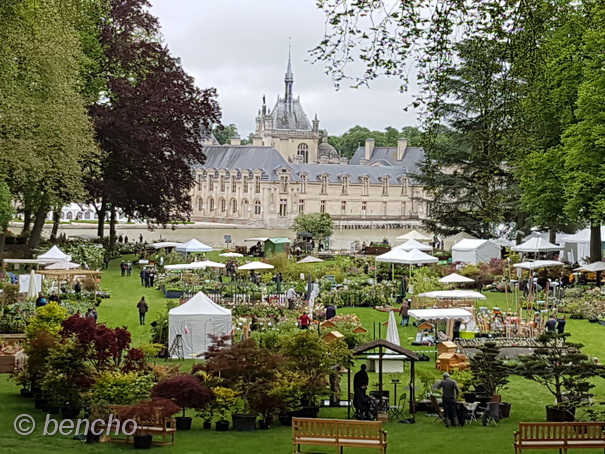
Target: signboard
x=227, y=238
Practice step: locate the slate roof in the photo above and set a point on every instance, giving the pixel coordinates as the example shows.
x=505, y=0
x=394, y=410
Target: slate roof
x=411, y=157
x=245, y=157
x=290, y=116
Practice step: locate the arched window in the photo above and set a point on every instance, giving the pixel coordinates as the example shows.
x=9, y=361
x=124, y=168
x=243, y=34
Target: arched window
x=233, y=206
x=87, y=215
x=222, y=204
x=70, y=215
x=78, y=216
x=303, y=150
x=257, y=207
x=200, y=204
x=211, y=204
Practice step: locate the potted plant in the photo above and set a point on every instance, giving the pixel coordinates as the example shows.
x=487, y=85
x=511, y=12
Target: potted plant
x=225, y=400
x=148, y=413
x=289, y=394
x=244, y=366
x=490, y=374
x=185, y=391
x=564, y=370
x=207, y=414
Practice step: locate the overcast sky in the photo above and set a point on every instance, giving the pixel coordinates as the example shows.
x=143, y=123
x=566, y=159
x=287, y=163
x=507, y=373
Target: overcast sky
x=241, y=48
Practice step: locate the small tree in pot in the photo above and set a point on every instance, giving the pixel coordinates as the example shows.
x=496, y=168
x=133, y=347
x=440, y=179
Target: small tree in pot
x=187, y=392
x=226, y=399
x=564, y=370
x=489, y=372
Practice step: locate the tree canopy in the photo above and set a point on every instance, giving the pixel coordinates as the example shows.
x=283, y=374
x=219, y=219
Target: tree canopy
x=319, y=225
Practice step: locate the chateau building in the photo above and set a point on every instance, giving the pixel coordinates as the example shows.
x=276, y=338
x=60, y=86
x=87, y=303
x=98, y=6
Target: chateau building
x=290, y=169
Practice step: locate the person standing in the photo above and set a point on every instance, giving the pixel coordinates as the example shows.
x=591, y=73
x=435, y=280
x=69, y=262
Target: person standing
x=151, y=278
x=304, y=321
x=92, y=313
x=291, y=297
x=561, y=325
x=551, y=325
x=330, y=312
x=54, y=298
x=450, y=391
x=142, y=274
x=457, y=324
x=78, y=287
x=123, y=268
x=404, y=312
x=129, y=268
x=143, y=309
x=361, y=378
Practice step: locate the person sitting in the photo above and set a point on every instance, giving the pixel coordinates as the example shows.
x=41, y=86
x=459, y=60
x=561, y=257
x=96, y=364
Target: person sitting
x=364, y=407
x=41, y=300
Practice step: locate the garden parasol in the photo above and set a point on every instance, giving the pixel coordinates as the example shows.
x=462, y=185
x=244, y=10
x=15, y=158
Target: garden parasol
x=32, y=291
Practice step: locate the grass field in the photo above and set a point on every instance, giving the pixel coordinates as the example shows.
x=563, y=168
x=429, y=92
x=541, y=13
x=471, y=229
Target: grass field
x=426, y=436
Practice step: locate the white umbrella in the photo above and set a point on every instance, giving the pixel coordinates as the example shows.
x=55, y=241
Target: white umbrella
x=310, y=259
x=194, y=265
x=164, y=244
x=209, y=264
x=414, y=235
x=392, y=331
x=231, y=254
x=592, y=268
x=536, y=244
x=536, y=264
x=62, y=266
x=193, y=246
x=256, y=266
x=413, y=244
x=455, y=278
x=454, y=294
x=32, y=291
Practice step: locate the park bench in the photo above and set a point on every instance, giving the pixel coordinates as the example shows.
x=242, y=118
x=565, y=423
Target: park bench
x=559, y=435
x=154, y=426
x=339, y=433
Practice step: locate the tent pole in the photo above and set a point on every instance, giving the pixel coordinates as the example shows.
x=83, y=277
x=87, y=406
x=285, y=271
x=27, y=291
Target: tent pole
x=412, y=388
x=349, y=390
x=380, y=355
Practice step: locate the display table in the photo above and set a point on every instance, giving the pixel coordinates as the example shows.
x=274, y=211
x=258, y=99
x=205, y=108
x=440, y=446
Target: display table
x=390, y=363
x=467, y=334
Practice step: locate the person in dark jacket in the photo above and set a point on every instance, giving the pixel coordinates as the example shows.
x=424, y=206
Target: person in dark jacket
x=561, y=325
x=143, y=309
x=450, y=393
x=330, y=312
x=361, y=378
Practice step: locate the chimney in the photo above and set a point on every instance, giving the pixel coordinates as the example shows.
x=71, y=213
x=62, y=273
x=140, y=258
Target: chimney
x=298, y=159
x=363, y=162
x=323, y=160
x=402, y=144
x=344, y=161
x=257, y=141
x=369, y=149
x=236, y=141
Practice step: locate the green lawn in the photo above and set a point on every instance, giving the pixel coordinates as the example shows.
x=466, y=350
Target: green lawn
x=426, y=436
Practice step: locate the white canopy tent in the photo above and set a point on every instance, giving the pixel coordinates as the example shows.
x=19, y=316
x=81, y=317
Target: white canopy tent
x=577, y=246
x=454, y=294
x=449, y=241
x=63, y=266
x=442, y=314
x=413, y=244
x=455, y=278
x=414, y=235
x=164, y=245
x=231, y=254
x=592, y=268
x=475, y=251
x=310, y=259
x=536, y=244
x=393, y=256
x=503, y=242
x=256, y=266
x=193, y=246
x=195, y=265
x=194, y=321
x=55, y=254
x=537, y=264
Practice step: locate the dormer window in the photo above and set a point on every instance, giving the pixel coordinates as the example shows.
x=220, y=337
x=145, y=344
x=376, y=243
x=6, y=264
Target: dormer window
x=365, y=185
x=324, y=184
x=345, y=185
x=283, y=184
x=385, y=186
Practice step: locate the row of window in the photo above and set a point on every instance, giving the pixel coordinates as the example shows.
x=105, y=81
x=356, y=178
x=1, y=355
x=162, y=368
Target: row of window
x=284, y=182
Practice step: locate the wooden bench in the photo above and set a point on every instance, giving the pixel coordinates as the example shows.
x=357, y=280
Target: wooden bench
x=156, y=427
x=559, y=435
x=339, y=433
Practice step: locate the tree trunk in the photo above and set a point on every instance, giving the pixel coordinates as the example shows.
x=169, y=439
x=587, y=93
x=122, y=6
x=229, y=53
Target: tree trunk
x=112, y=228
x=2, y=243
x=27, y=222
x=552, y=235
x=595, y=242
x=101, y=212
x=34, y=239
x=56, y=221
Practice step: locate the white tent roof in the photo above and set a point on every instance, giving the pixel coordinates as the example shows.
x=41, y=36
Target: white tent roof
x=310, y=259
x=199, y=304
x=56, y=254
x=256, y=266
x=195, y=265
x=441, y=314
x=593, y=267
x=164, y=244
x=536, y=264
x=416, y=257
x=454, y=294
x=469, y=245
x=414, y=235
x=231, y=254
x=393, y=256
x=582, y=236
x=63, y=266
x=503, y=242
x=193, y=246
x=455, y=278
x=536, y=244
x=413, y=244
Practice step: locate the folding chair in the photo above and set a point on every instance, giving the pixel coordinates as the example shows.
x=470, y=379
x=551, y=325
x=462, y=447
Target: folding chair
x=472, y=411
x=438, y=409
x=398, y=410
x=492, y=414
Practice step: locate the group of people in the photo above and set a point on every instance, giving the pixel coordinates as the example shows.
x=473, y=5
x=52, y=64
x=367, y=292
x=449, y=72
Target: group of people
x=126, y=268
x=555, y=325
x=42, y=301
x=147, y=277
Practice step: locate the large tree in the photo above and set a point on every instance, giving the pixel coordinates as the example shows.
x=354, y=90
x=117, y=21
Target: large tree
x=45, y=133
x=150, y=121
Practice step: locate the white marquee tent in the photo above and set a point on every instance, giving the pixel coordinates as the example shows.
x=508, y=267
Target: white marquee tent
x=454, y=294
x=195, y=321
x=55, y=254
x=414, y=235
x=475, y=251
x=441, y=314
x=193, y=246
x=414, y=244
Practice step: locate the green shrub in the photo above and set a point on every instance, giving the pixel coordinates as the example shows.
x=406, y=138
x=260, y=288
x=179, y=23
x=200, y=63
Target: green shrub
x=119, y=388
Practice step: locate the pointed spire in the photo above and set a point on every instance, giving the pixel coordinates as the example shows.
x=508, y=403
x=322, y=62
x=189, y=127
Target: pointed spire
x=289, y=80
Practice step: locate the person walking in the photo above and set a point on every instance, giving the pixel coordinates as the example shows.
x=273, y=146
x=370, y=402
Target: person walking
x=450, y=391
x=551, y=324
x=330, y=312
x=143, y=309
x=129, y=268
x=457, y=325
x=404, y=312
x=291, y=297
x=304, y=321
x=561, y=325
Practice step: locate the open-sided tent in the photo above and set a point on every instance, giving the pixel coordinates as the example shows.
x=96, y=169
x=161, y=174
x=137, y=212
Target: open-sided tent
x=164, y=245
x=256, y=266
x=195, y=321
x=63, y=266
x=536, y=244
x=592, y=268
x=414, y=235
x=453, y=294
x=452, y=313
x=475, y=251
x=193, y=246
x=414, y=244
x=455, y=278
x=55, y=254
x=310, y=259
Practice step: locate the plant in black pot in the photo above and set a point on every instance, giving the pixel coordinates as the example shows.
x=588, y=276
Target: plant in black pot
x=225, y=401
x=245, y=367
x=490, y=374
x=288, y=392
x=187, y=392
x=156, y=412
x=564, y=370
